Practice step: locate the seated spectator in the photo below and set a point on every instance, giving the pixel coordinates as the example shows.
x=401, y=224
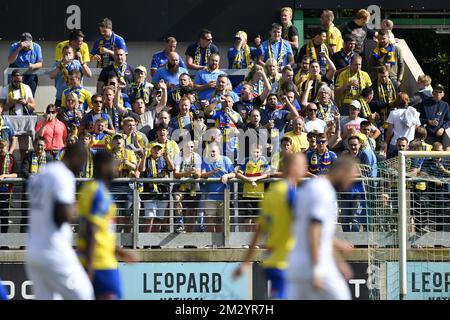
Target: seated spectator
x=272, y=70
x=100, y=138
x=119, y=68
x=62, y=69
x=388, y=25
x=343, y=57
x=72, y=114
x=157, y=164
x=424, y=90
x=215, y=166
x=318, y=50
x=222, y=87
x=435, y=114
x=89, y=119
x=26, y=54
x=388, y=55
x=303, y=71
x=187, y=164
x=185, y=86
x=104, y=48
x=241, y=55
x=53, y=130
x=321, y=159
x=205, y=80
x=7, y=131
x=184, y=120
x=171, y=72
x=358, y=28
x=365, y=99
x=277, y=159
x=160, y=58
x=326, y=109
x=17, y=98
x=276, y=48
x=401, y=145
x=140, y=88
x=312, y=122
x=74, y=85
x=289, y=31
x=334, y=37
x=198, y=54
x=299, y=139
x=309, y=89
x=350, y=83
x=9, y=169
x=402, y=122
x=79, y=47
x=254, y=168
x=162, y=137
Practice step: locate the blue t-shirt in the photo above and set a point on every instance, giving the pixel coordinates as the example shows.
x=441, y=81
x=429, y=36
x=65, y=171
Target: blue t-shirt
x=277, y=48
x=60, y=84
x=226, y=166
x=163, y=73
x=192, y=49
x=160, y=60
x=26, y=57
x=203, y=77
x=7, y=130
x=233, y=52
x=115, y=42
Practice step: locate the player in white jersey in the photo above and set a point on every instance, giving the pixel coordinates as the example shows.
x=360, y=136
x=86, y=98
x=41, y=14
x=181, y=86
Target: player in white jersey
x=51, y=262
x=316, y=270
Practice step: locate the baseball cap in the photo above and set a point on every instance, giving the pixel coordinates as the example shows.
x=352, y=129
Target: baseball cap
x=356, y=104
x=438, y=86
x=16, y=72
x=199, y=114
x=156, y=144
x=26, y=36
x=241, y=34
x=142, y=68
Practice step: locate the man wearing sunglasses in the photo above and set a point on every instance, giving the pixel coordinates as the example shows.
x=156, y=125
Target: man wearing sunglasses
x=320, y=159
x=197, y=54
x=312, y=123
x=89, y=119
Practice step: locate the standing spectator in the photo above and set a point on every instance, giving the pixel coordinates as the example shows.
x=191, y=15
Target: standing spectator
x=289, y=31
x=402, y=122
x=185, y=86
x=215, y=166
x=272, y=70
x=9, y=169
x=256, y=134
x=321, y=159
x=435, y=114
x=334, y=37
x=385, y=92
x=62, y=70
x=400, y=145
x=255, y=79
x=367, y=136
x=53, y=130
x=104, y=48
x=140, y=88
x=365, y=99
x=7, y=131
x=358, y=28
x=303, y=72
x=241, y=55
x=309, y=89
x=17, y=98
x=89, y=119
x=72, y=114
x=312, y=140
x=160, y=58
x=287, y=75
x=120, y=68
x=388, y=25
x=312, y=122
x=277, y=161
x=112, y=106
x=248, y=100
x=171, y=72
x=318, y=50
x=326, y=109
x=223, y=87
x=184, y=120
x=389, y=55
x=424, y=90
x=100, y=138
x=353, y=125
x=70, y=140
x=276, y=48
x=343, y=57
x=350, y=83
x=74, y=86
x=205, y=80
x=26, y=54
x=146, y=116
x=164, y=118
x=299, y=139
x=162, y=137
x=76, y=42
x=198, y=54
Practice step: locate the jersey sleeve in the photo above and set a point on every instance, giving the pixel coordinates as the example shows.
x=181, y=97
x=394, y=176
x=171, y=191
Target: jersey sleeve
x=120, y=44
x=38, y=53
x=154, y=64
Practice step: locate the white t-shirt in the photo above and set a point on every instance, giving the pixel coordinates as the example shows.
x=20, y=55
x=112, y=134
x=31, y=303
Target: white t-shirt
x=55, y=183
x=400, y=129
x=316, y=200
x=183, y=164
x=317, y=125
x=353, y=124
x=16, y=94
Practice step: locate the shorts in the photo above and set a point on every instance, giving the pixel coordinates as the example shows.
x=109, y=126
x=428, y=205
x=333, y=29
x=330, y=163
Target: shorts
x=107, y=282
x=249, y=207
x=335, y=288
x=277, y=282
x=213, y=207
x=155, y=208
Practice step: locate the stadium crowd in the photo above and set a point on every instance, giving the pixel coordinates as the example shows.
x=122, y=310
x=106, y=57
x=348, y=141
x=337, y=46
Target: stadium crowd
x=327, y=98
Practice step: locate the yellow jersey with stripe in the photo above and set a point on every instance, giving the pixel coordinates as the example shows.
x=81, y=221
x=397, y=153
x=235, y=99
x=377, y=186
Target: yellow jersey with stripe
x=84, y=50
x=276, y=222
x=252, y=168
x=95, y=206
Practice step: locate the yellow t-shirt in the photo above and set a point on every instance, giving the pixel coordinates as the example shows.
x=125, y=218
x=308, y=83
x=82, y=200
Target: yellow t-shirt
x=172, y=148
x=276, y=222
x=334, y=38
x=299, y=141
x=84, y=51
x=353, y=92
x=95, y=206
x=254, y=169
x=119, y=156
